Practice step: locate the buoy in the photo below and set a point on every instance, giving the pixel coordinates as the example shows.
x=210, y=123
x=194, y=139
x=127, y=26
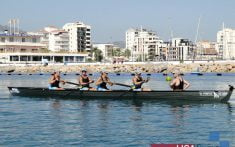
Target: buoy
x=200, y=74
x=118, y=74
x=65, y=74
x=164, y=74
x=219, y=74
x=168, y=78
x=9, y=71
x=148, y=74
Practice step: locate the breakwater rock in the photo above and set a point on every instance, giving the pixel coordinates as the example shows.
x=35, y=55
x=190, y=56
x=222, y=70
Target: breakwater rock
x=126, y=68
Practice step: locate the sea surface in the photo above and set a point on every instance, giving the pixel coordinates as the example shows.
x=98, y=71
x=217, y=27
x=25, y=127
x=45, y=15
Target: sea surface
x=54, y=122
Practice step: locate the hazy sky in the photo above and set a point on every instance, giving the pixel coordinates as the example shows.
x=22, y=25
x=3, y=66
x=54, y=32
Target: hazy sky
x=110, y=19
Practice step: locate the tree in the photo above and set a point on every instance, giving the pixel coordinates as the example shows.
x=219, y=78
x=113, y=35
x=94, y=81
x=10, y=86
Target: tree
x=127, y=53
x=117, y=52
x=97, y=54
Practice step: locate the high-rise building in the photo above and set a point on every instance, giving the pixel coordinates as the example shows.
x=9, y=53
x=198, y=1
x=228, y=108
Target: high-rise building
x=144, y=44
x=79, y=37
x=226, y=43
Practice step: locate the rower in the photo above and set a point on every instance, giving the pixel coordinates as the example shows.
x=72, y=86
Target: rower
x=102, y=82
x=178, y=83
x=54, y=82
x=85, y=81
x=138, y=81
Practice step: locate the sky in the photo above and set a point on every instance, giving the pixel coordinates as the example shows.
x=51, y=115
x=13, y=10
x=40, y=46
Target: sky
x=110, y=19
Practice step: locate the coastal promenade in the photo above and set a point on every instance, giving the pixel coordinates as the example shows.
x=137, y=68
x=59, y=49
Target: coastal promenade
x=127, y=67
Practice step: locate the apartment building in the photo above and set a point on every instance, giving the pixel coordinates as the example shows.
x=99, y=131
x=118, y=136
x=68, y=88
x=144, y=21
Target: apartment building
x=226, y=43
x=20, y=42
x=59, y=41
x=79, y=37
x=107, y=50
x=144, y=44
x=206, y=50
x=181, y=49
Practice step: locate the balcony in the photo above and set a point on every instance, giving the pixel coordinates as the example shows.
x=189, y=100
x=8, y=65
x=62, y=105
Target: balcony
x=21, y=44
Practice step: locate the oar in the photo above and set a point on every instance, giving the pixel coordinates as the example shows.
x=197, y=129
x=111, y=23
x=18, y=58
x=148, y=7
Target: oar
x=131, y=87
x=148, y=78
x=71, y=91
x=124, y=93
x=72, y=83
x=120, y=84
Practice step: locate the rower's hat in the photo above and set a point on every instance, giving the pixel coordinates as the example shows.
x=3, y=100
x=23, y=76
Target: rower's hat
x=54, y=72
x=176, y=72
x=138, y=72
x=84, y=70
x=104, y=71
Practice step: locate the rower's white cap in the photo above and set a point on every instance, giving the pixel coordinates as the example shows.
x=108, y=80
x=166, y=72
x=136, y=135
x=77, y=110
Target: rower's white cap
x=84, y=69
x=176, y=72
x=138, y=72
x=104, y=71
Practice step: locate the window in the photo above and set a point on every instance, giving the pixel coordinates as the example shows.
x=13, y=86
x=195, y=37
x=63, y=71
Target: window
x=34, y=40
x=3, y=39
x=11, y=39
x=23, y=39
x=23, y=58
x=22, y=50
x=34, y=50
x=14, y=58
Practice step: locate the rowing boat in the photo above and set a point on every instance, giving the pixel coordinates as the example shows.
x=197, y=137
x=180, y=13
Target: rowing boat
x=194, y=95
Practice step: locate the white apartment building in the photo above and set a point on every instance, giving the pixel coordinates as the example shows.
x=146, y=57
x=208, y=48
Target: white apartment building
x=181, y=49
x=58, y=41
x=45, y=35
x=226, y=43
x=144, y=44
x=79, y=37
x=107, y=50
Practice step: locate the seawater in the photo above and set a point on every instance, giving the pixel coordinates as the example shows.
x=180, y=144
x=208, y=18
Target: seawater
x=54, y=122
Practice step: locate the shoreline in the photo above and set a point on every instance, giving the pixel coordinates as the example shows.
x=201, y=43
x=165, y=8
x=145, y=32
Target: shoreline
x=124, y=68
